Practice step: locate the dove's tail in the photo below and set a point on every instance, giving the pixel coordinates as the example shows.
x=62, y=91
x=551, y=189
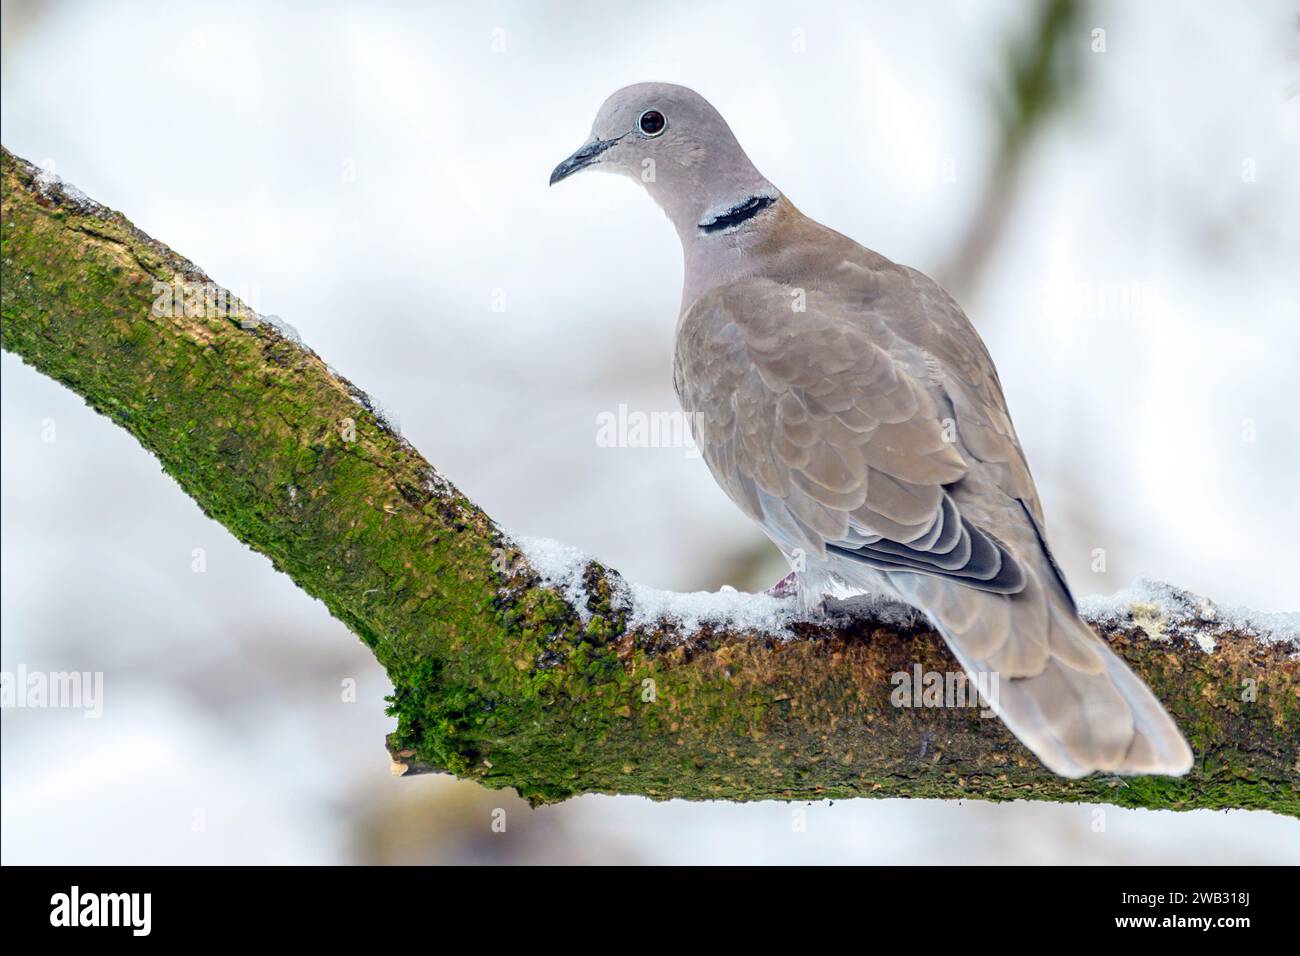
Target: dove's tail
x=1060, y=689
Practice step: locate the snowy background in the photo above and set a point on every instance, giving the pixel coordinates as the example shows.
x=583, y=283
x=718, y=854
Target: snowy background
x=376, y=175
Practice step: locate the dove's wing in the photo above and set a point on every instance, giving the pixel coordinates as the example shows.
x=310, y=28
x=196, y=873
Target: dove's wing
x=816, y=407
x=861, y=420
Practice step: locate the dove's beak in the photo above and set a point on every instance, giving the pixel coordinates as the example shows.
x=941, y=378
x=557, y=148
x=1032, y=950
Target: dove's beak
x=587, y=154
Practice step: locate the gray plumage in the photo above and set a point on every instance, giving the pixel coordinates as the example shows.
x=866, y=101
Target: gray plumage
x=848, y=406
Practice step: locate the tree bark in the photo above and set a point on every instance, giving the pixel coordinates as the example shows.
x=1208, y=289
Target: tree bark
x=501, y=679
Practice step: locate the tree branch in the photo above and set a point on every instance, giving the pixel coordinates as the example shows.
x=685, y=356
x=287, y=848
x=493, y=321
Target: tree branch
x=565, y=689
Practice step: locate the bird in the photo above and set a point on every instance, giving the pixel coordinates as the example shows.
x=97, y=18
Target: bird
x=847, y=405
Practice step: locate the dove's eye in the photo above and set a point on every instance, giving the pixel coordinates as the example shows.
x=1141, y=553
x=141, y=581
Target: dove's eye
x=652, y=123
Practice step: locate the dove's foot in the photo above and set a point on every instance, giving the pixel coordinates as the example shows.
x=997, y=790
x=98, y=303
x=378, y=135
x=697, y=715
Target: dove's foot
x=811, y=600
x=788, y=586
x=807, y=592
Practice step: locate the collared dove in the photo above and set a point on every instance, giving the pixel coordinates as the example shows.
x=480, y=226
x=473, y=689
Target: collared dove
x=848, y=406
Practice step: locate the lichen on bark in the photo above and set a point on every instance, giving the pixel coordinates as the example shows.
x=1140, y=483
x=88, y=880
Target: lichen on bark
x=502, y=680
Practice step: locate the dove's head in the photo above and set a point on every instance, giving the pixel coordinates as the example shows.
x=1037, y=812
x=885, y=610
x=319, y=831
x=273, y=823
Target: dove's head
x=669, y=139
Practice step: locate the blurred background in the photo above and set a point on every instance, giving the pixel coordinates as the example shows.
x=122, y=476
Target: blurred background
x=1109, y=188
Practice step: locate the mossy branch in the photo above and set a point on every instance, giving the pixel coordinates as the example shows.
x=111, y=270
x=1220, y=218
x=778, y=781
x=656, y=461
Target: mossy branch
x=502, y=680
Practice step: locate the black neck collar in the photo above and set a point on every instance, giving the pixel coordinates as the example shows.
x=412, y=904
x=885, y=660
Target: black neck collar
x=741, y=212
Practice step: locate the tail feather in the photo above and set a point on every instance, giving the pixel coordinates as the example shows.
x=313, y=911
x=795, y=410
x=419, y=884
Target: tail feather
x=1060, y=689
x=1158, y=746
